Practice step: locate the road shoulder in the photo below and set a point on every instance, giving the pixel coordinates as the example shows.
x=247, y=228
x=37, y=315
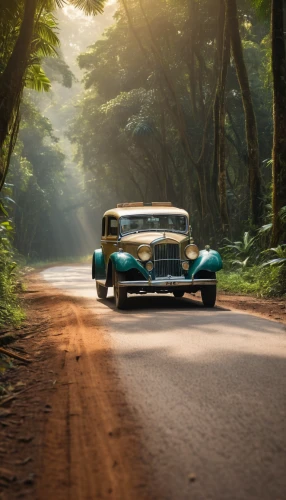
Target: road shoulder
x=271, y=309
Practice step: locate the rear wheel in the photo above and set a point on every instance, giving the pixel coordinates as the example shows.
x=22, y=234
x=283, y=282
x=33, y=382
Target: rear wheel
x=178, y=294
x=120, y=292
x=209, y=295
x=101, y=291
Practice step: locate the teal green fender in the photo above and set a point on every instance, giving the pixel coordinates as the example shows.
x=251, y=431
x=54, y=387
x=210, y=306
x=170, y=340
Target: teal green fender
x=98, y=265
x=207, y=261
x=124, y=262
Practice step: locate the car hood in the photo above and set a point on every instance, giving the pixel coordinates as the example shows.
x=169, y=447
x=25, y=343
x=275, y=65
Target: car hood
x=150, y=237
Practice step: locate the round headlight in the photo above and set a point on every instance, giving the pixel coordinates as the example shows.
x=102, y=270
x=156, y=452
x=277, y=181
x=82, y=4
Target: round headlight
x=149, y=266
x=186, y=265
x=192, y=252
x=144, y=252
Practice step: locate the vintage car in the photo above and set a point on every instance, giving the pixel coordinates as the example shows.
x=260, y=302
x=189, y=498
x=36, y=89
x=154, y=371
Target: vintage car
x=148, y=248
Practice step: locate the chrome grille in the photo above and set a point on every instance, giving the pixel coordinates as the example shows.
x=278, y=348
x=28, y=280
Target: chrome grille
x=167, y=260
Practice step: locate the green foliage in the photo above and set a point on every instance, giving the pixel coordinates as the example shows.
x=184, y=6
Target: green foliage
x=48, y=214
x=280, y=256
x=257, y=275
x=266, y=229
x=10, y=310
x=263, y=7
x=239, y=253
x=36, y=175
x=88, y=6
x=58, y=71
x=44, y=43
x=261, y=282
x=37, y=80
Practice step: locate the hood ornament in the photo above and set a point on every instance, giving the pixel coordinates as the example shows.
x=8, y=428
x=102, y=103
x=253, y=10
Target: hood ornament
x=164, y=235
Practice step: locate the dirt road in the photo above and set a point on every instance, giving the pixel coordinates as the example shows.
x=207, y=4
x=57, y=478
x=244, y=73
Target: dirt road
x=71, y=435
x=166, y=400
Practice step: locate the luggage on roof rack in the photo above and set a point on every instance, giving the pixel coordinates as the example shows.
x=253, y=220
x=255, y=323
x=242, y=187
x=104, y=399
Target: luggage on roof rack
x=141, y=204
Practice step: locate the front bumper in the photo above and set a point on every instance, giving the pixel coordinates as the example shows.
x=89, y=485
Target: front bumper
x=167, y=282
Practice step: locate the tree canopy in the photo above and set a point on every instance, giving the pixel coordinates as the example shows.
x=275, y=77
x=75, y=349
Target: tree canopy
x=149, y=123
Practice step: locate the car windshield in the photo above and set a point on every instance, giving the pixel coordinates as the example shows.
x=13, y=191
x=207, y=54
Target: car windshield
x=134, y=223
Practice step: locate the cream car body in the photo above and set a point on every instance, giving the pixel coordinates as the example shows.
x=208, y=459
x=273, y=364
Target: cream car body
x=148, y=249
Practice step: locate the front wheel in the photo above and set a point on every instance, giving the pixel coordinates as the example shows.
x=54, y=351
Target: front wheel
x=101, y=291
x=120, y=293
x=209, y=295
x=178, y=294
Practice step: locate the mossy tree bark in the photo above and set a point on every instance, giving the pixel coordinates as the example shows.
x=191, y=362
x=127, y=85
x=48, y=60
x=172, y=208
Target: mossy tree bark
x=12, y=80
x=223, y=50
x=250, y=120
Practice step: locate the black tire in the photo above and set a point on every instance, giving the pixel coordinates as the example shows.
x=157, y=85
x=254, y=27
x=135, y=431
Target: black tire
x=179, y=294
x=120, y=293
x=101, y=291
x=209, y=295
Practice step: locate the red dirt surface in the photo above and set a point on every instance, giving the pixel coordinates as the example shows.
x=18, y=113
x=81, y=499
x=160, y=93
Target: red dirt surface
x=69, y=434
x=273, y=309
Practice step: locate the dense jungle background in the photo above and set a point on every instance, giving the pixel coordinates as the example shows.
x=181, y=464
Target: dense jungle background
x=178, y=100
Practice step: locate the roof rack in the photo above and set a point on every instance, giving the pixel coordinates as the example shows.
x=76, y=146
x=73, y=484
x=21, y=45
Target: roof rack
x=141, y=204
x=133, y=204
x=161, y=204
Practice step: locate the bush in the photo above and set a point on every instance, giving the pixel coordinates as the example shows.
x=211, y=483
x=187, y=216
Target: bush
x=259, y=281
x=10, y=310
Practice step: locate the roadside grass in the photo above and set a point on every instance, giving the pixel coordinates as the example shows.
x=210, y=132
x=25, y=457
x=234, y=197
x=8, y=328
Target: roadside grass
x=12, y=283
x=256, y=280
x=11, y=312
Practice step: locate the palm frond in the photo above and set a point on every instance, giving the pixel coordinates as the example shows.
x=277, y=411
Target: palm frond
x=240, y=263
x=59, y=3
x=46, y=39
x=46, y=29
x=265, y=229
x=42, y=48
x=36, y=79
x=248, y=241
x=51, y=5
x=275, y=262
x=3, y=209
x=89, y=7
x=280, y=250
x=237, y=246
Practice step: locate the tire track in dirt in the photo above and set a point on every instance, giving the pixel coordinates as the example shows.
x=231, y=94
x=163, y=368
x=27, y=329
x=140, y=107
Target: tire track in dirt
x=86, y=440
x=90, y=447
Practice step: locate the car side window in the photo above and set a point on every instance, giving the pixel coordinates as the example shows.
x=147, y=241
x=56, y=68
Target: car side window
x=112, y=229
x=103, y=227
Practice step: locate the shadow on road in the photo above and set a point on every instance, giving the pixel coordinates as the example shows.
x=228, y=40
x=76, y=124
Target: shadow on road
x=147, y=302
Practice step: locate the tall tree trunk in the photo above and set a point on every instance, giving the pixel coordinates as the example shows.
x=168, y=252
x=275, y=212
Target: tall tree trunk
x=279, y=118
x=12, y=79
x=192, y=23
x=176, y=110
x=250, y=120
x=219, y=166
x=225, y=58
x=215, y=174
